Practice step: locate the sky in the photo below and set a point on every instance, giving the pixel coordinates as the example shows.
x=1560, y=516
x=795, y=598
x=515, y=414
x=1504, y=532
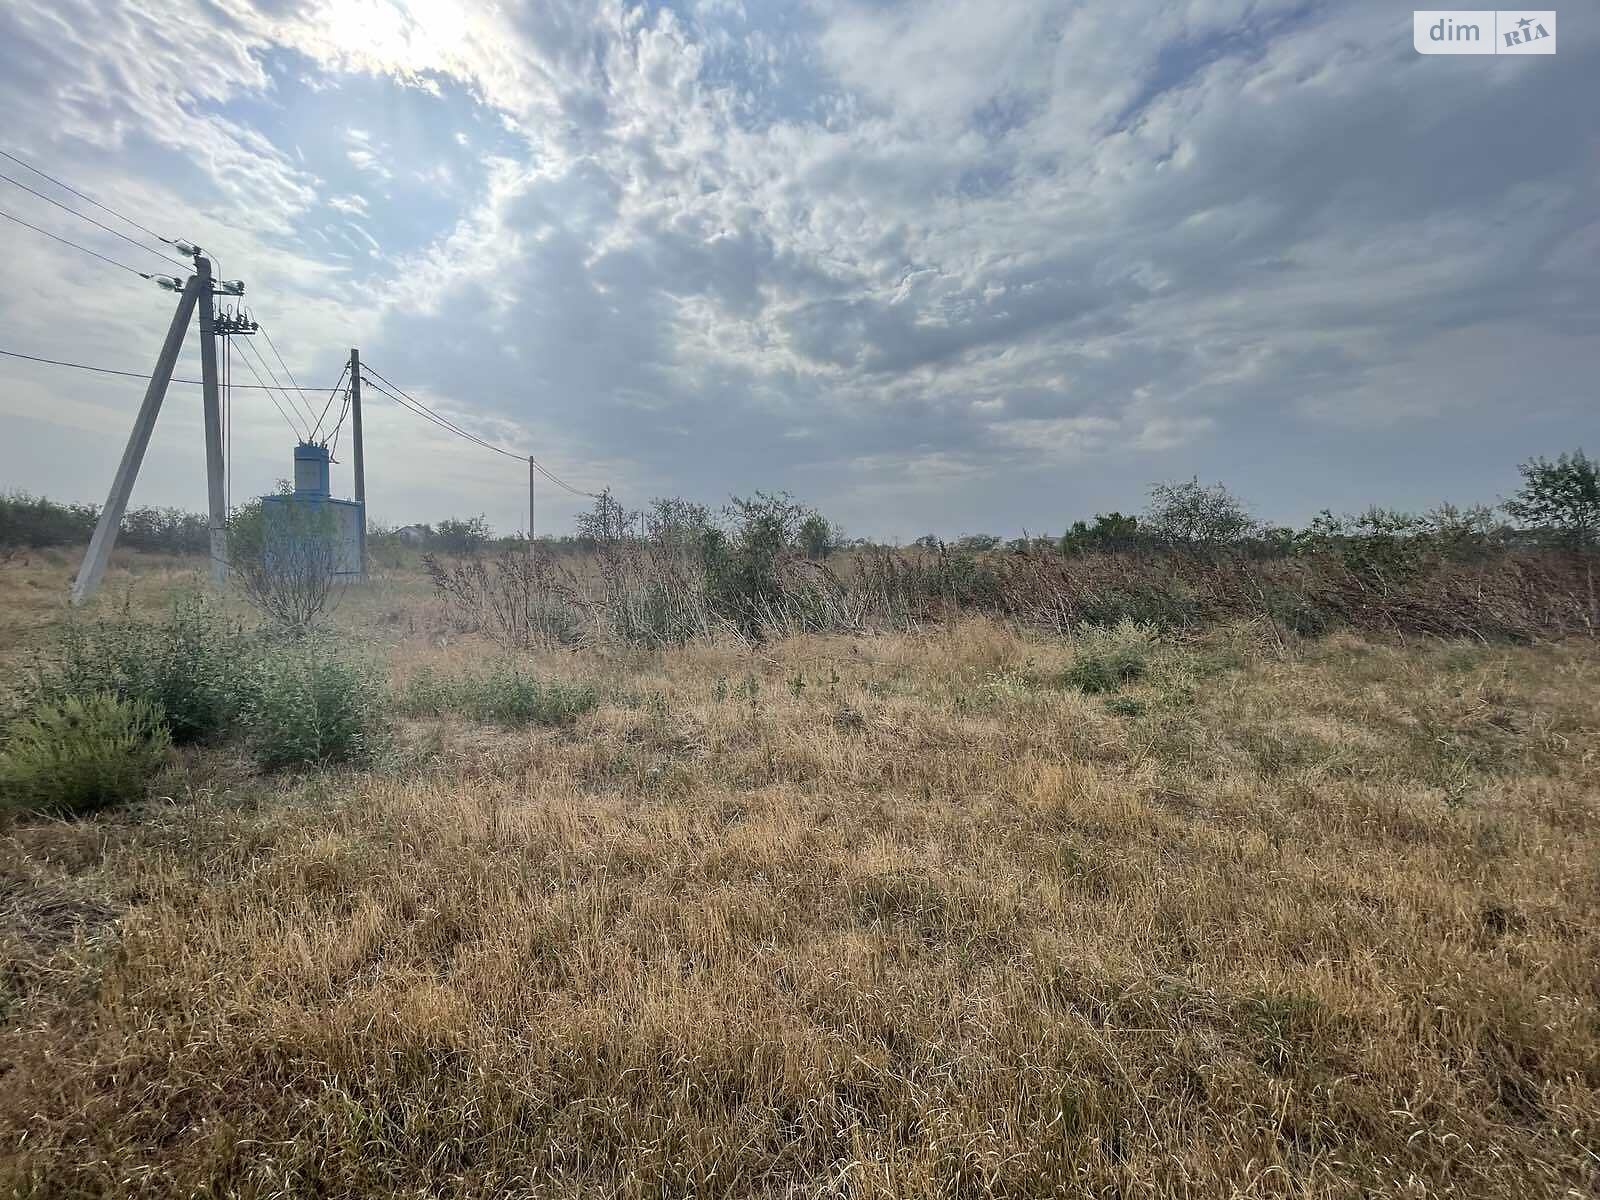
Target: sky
x=936, y=267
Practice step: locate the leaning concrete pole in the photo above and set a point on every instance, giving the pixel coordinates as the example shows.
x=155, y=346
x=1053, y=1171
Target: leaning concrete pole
x=105, y=530
x=213, y=422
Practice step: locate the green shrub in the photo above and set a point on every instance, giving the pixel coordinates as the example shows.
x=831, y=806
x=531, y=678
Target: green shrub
x=192, y=667
x=1125, y=706
x=505, y=695
x=1111, y=532
x=1162, y=603
x=309, y=706
x=1107, y=658
x=743, y=560
x=296, y=700
x=82, y=754
x=962, y=577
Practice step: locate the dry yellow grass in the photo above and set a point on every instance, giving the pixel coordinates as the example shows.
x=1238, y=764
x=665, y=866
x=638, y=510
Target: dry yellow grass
x=33, y=592
x=885, y=917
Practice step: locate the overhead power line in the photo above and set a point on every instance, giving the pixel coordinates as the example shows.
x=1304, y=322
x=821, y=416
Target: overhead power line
x=428, y=414
x=245, y=358
x=66, y=242
x=422, y=410
x=83, y=196
x=332, y=441
x=262, y=359
x=97, y=224
x=406, y=401
x=559, y=482
x=340, y=383
x=311, y=411
x=144, y=375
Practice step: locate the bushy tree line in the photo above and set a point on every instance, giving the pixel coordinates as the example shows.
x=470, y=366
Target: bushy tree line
x=1557, y=505
x=459, y=537
x=1193, y=518
x=35, y=522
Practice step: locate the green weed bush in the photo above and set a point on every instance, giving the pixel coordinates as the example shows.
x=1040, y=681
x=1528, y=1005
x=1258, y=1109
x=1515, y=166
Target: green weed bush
x=1106, y=658
x=309, y=706
x=505, y=696
x=192, y=667
x=296, y=700
x=82, y=754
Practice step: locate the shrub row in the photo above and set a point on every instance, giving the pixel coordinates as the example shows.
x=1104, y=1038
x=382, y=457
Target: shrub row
x=1519, y=596
x=654, y=592
x=93, y=720
x=291, y=699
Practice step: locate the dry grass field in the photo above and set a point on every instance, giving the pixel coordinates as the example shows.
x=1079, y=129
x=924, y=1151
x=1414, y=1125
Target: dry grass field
x=892, y=916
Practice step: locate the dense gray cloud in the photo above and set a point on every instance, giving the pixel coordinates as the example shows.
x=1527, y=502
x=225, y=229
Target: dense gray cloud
x=931, y=266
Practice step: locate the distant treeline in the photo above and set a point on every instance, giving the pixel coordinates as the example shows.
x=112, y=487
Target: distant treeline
x=1558, y=506
x=33, y=522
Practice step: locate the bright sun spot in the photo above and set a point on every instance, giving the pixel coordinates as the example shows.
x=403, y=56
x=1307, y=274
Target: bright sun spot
x=396, y=38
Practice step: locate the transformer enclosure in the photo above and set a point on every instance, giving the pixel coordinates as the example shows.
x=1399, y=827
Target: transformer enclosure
x=309, y=532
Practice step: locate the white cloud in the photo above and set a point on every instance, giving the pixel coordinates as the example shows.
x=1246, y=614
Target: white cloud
x=353, y=206
x=367, y=157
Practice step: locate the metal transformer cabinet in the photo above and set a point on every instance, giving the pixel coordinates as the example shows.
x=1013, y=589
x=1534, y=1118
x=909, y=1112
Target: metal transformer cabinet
x=309, y=529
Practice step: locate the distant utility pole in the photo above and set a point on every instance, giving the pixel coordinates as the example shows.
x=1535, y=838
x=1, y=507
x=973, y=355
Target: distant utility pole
x=530, y=501
x=197, y=291
x=360, y=461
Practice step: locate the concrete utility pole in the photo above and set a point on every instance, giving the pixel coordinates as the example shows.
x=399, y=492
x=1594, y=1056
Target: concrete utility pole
x=110, y=522
x=213, y=424
x=530, y=502
x=360, y=462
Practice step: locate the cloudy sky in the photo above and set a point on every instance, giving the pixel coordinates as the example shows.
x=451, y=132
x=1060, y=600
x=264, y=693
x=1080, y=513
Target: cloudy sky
x=943, y=266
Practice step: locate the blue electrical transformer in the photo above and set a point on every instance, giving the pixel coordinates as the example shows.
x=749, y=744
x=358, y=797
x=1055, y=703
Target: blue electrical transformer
x=309, y=525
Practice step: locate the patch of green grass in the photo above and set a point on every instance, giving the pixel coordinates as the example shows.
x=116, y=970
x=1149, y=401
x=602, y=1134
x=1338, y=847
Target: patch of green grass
x=1105, y=659
x=1278, y=751
x=1295, y=1031
x=1462, y=658
x=1220, y=660
x=504, y=696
